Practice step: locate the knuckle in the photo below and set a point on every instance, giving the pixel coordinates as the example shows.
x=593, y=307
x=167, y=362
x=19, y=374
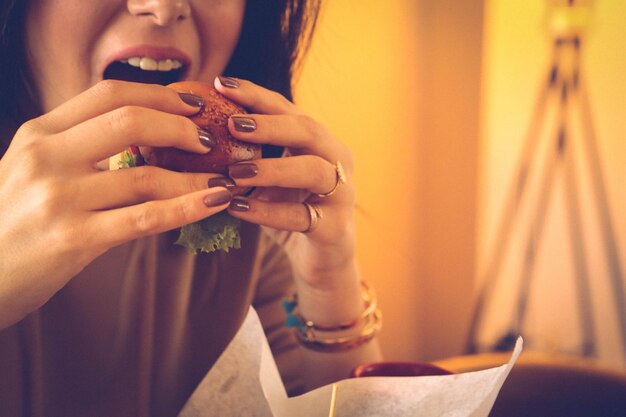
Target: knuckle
x=343, y=224
x=53, y=198
x=32, y=133
x=71, y=242
x=146, y=220
x=311, y=127
x=30, y=128
x=195, y=183
x=145, y=182
x=59, y=234
x=127, y=119
x=264, y=211
x=350, y=194
x=106, y=88
x=56, y=193
x=281, y=99
x=33, y=158
x=48, y=211
x=183, y=212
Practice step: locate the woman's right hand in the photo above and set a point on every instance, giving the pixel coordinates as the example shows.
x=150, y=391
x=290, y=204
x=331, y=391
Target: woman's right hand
x=59, y=211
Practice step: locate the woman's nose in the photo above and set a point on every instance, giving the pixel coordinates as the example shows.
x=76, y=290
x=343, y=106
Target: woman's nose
x=164, y=12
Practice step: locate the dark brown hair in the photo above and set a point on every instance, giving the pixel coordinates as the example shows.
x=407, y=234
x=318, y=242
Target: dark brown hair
x=274, y=37
x=16, y=95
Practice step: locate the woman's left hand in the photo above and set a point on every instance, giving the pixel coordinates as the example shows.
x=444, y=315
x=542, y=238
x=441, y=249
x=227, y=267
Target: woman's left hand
x=322, y=256
x=308, y=169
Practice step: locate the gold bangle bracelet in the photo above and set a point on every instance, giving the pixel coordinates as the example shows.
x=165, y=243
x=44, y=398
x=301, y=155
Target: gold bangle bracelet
x=307, y=332
x=310, y=340
x=370, y=305
x=295, y=319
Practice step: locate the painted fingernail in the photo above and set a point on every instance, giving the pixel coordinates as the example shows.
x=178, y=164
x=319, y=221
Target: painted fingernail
x=228, y=82
x=245, y=170
x=206, y=139
x=221, y=182
x=239, y=204
x=217, y=198
x=244, y=124
x=191, y=99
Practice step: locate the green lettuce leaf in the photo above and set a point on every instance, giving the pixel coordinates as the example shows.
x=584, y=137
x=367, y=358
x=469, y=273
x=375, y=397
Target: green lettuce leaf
x=127, y=160
x=218, y=232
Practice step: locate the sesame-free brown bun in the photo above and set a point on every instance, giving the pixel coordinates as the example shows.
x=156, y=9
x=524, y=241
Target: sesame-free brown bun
x=213, y=117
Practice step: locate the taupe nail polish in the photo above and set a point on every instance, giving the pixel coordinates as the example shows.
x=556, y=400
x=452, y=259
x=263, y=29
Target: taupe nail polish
x=244, y=124
x=206, y=139
x=191, y=99
x=221, y=182
x=243, y=170
x=228, y=82
x=217, y=198
x=239, y=204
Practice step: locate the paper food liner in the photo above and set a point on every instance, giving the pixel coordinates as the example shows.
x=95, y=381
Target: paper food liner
x=245, y=382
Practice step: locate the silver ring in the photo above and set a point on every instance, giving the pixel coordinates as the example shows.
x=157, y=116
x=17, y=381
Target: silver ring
x=315, y=215
x=341, y=179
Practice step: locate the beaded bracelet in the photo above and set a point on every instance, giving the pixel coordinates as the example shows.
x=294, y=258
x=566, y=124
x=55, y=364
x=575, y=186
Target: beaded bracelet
x=306, y=330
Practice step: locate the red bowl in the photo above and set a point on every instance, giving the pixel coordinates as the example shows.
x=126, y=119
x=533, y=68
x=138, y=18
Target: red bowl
x=398, y=369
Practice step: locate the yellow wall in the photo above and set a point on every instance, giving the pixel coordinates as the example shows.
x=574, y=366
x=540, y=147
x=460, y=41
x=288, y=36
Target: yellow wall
x=398, y=81
x=360, y=81
x=517, y=52
x=435, y=105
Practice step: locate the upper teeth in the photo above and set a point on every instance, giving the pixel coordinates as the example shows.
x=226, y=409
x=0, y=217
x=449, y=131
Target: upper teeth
x=150, y=64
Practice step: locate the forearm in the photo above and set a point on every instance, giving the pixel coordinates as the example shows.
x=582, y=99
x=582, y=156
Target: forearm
x=340, y=304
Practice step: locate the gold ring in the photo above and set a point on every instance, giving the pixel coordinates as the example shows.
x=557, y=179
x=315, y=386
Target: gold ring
x=341, y=179
x=315, y=215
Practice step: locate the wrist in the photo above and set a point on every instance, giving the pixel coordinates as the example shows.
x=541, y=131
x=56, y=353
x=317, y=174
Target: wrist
x=331, y=298
x=322, y=259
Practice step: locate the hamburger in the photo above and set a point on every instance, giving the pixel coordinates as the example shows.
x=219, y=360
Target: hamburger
x=220, y=231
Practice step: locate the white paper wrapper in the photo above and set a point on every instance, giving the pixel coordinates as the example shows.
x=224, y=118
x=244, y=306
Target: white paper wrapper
x=245, y=382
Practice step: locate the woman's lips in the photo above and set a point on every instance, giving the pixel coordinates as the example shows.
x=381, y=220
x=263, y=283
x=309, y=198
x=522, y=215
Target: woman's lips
x=150, y=58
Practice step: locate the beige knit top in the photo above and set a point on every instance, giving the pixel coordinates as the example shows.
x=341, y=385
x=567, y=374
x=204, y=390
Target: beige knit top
x=135, y=332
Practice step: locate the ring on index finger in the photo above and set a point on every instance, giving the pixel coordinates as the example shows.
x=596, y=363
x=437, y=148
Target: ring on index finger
x=315, y=215
x=341, y=179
